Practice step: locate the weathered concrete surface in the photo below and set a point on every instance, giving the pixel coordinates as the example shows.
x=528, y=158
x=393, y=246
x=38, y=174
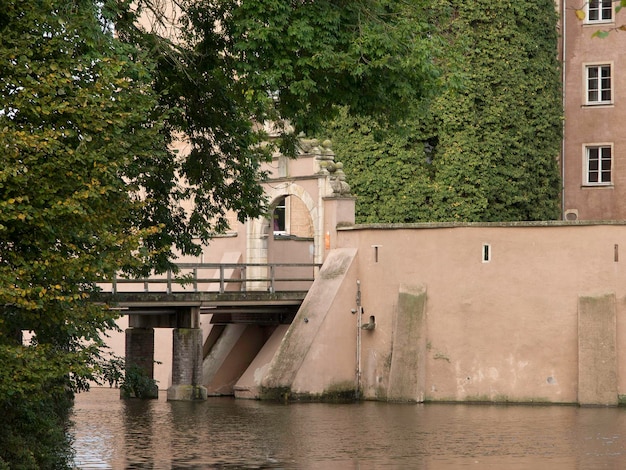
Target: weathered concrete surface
x=231, y=355
x=249, y=384
x=140, y=353
x=407, y=376
x=498, y=330
x=218, y=354
x=597, y=354
x=318, y=353
x=187, y=366
x=186, y=393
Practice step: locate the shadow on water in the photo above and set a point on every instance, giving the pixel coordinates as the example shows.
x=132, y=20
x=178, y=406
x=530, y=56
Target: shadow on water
x=223, y=433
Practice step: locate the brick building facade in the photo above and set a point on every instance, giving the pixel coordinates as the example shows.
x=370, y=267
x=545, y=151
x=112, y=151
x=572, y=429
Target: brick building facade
x=592, y=161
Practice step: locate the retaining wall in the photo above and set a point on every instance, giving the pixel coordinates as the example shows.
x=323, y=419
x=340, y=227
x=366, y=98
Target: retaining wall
x=479, y=312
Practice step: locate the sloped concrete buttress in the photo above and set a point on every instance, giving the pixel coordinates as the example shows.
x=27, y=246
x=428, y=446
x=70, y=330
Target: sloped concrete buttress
x=234, y=361
x=597, y=352
x=230, y=257
x=249, y=384
x=333, y=285
x=407, y=375
x=218, y=354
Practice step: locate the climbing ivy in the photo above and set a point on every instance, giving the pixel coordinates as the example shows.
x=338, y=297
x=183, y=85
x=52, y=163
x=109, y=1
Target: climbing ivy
x=499, y=133
x=387, y=168
x=492, y=131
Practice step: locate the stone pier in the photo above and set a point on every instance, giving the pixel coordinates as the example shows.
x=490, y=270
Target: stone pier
x=187, y=366
x=187, y=349
x=140, y=354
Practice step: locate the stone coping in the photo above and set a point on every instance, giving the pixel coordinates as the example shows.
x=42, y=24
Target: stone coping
x=435, y=225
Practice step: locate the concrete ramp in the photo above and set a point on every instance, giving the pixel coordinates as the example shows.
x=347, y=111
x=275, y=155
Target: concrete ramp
x=316, y=357
x=210, y=332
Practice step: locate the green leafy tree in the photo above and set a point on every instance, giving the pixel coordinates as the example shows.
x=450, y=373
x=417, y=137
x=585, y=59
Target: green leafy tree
x=90, y=182
x=486, y=147
x=230, y=65
x=77, y=116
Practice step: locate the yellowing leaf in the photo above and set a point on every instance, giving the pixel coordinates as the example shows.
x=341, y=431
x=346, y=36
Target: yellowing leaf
x=580, y=14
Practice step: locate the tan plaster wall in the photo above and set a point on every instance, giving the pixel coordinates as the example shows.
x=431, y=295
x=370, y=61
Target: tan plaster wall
x=520, y=327
x=501, y=330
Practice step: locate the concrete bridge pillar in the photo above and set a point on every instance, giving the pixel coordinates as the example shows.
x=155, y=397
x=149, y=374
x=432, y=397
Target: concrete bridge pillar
x=140, y=354
x=187, y=363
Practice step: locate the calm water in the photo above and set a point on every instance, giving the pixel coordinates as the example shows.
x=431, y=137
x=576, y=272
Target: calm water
x=224, y=433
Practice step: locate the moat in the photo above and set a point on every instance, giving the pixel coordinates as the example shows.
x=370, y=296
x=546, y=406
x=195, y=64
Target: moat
x=224, y=433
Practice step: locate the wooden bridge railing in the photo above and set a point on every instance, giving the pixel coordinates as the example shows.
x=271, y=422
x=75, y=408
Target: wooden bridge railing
x=216, y=277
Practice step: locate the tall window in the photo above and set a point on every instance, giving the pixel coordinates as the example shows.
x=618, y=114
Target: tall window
x=599, y=84
x=280, y=217
x=599, y=11
x=598, y=165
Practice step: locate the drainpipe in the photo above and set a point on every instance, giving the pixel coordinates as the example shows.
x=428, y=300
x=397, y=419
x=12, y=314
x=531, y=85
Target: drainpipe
x=563, y=64
x=359, y=312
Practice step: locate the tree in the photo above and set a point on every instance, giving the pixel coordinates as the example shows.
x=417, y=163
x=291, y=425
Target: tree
x=231, y=65
x=78, y=115
x=493, y=131
x=90, y=182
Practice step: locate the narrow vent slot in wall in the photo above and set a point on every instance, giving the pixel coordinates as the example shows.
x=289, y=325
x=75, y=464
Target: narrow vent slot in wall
x=486, y=253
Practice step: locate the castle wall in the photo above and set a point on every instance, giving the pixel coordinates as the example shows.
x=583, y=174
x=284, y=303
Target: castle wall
x=509, y=311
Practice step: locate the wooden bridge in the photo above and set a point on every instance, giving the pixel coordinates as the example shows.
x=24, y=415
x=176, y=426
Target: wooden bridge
x=233, y=293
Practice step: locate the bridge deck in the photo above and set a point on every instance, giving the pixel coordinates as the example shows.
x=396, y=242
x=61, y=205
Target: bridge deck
x=226, y=307
x=222, y=290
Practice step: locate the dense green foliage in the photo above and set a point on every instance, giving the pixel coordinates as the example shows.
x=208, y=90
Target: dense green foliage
x=91, y=183
x=231, y=64
x=492, y=133
x=366, y=55
x=386, y=167
x=74, y=124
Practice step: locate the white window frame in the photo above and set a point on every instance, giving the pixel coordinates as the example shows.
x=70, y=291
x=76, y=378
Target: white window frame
x=600, y=147
x=601, y=8
x=284, y=207
x=598, y=86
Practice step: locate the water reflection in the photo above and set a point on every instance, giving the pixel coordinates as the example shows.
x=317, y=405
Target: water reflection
x=231, y=434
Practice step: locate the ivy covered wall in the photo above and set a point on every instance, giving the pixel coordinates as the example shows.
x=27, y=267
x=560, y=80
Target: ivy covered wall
x=482, y=147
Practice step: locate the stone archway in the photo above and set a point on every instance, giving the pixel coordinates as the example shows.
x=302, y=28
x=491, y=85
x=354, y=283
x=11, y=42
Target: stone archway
x=260, y=230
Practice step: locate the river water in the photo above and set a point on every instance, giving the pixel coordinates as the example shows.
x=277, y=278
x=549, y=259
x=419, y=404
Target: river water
x=224, y=433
